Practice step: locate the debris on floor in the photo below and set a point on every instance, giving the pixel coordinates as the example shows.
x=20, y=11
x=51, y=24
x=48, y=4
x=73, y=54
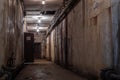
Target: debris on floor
x=46, y=72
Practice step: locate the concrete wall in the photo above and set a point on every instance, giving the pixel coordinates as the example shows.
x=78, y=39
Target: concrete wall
x=89, y=40
x=89, y=31
x=47, y=55
x=52, y=46
x=11, y=31
x=38, y=37
x=25, y=25
x=43, y=49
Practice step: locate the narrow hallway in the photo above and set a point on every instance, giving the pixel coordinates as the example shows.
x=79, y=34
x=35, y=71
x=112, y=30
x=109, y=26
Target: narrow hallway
x=45, y=70
x=60, y=39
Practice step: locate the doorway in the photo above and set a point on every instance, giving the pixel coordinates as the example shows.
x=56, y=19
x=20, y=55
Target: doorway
x=28, y=47
x=37, y=50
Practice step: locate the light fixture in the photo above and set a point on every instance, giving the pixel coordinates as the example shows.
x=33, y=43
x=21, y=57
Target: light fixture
x=38, y=30
x=39, y=21
x=43, y=2
x=43, y=28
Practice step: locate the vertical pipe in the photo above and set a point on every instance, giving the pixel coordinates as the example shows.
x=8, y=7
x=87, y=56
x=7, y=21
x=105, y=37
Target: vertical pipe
x=50, y=47
x=115, y=28
x=118, y=56
x=66, y=42
x=61, y=37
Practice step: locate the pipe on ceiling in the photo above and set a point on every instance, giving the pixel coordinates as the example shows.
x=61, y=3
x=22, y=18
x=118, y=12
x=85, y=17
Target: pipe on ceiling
x=62, y=15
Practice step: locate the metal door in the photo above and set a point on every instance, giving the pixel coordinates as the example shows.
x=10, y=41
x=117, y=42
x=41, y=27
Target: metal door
x=29, y=47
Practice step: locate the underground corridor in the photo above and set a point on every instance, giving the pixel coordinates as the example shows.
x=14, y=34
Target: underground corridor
x=59, y=39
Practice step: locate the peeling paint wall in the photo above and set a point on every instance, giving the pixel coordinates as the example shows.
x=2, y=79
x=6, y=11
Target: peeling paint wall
x=89, y=38
x=11, y=32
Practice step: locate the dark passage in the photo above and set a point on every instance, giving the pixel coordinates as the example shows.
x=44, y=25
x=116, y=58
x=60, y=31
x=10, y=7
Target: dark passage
x=79, y=38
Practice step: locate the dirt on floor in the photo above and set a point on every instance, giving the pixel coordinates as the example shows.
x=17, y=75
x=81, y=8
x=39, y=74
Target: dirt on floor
x=46, y=71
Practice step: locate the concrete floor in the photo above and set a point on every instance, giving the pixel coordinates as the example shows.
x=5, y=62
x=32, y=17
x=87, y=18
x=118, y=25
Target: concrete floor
x=44, y=70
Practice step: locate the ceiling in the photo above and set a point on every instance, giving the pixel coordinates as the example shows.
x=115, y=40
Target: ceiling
x=37, y=5
x=40, y=15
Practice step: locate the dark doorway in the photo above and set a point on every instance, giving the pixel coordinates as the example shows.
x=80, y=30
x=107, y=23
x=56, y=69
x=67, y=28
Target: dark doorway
x=37, y=50
x=29, y=47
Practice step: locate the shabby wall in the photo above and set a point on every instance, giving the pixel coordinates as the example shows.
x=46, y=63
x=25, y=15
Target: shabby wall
x=86, y=40
x=11, y=32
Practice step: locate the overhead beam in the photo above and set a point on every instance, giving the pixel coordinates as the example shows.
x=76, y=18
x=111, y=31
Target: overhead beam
x=38, y=12
x=33, y=10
